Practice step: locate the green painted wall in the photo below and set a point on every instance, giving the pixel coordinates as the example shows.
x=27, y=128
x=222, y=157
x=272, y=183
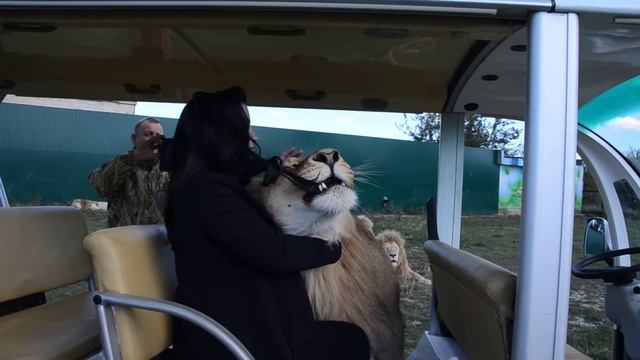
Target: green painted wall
x=480, y=182
x=47, y=153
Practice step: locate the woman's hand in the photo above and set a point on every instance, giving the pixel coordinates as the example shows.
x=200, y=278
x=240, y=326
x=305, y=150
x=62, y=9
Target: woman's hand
x=289, y=153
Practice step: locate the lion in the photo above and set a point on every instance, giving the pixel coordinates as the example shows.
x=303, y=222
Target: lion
x=314, y=197
x=84, y=204
x=393, y=244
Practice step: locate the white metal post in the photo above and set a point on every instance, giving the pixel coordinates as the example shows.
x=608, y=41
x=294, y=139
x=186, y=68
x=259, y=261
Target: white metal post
x=4, y=202
x=542, y=301
x=108, y=337
x=450, y=172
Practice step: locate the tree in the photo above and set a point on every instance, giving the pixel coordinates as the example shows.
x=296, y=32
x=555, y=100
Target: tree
x=479, y=131
x=427, y=128
x=633, y=154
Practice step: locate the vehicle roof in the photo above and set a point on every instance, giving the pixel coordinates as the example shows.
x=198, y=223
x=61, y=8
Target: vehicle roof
x=355, y=55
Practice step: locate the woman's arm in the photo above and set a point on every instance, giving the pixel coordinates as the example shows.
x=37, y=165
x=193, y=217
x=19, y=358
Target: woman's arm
x=230, y=220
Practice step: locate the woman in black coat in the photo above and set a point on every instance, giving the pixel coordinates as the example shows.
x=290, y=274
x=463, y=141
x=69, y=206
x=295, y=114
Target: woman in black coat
x=232, y=261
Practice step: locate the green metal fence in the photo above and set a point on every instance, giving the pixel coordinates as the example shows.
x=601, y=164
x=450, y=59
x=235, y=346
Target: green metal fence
x=46, y=155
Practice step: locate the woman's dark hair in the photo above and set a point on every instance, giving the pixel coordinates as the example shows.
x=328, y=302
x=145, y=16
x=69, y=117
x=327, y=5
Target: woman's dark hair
x=212, y=134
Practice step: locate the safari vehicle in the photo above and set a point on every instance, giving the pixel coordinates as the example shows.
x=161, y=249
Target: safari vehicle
x=534, y=60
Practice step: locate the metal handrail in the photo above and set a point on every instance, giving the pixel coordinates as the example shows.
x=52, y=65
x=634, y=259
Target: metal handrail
x=198, y=318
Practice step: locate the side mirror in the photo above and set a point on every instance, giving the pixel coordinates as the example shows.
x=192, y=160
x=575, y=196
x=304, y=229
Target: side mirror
x=597, y=238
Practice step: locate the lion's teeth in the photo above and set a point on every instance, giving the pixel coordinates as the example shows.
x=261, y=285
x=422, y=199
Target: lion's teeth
x=343, y=184
x=324, y=186
x=320, y=187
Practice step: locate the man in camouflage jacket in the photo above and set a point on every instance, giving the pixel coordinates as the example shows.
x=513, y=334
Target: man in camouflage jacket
x=132, y=183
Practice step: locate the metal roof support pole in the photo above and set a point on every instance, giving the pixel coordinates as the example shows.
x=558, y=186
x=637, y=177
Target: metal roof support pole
x=542, y=301
x=450, y=172
x=4, y=202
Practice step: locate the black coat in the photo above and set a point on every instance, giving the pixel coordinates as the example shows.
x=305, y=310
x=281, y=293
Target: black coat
x=234, y=264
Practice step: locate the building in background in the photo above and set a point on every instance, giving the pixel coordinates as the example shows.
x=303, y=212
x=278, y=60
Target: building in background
x=118, y=107
x=511, y=176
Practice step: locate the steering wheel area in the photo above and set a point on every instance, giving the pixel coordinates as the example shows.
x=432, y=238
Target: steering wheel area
x=618, y=275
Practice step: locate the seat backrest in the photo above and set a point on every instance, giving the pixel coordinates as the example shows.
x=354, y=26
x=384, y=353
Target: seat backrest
x=41, y=249
x=136, y=260
x=475, y=300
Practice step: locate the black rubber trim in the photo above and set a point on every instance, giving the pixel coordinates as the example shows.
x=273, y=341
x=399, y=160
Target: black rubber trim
x=97, y=299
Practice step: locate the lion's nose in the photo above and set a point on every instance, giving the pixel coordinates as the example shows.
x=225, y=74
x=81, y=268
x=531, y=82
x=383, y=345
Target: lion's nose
x=328, y=158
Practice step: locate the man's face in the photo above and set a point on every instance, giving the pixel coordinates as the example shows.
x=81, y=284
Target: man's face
x=146, y=131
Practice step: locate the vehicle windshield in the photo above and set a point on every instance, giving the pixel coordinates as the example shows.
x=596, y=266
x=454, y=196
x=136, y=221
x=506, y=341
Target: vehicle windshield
x=615, y=117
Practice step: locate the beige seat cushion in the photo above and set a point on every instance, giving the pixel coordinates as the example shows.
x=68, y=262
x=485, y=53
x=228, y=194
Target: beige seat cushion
x=136, y=260
x=475, y=300
x=63, y=330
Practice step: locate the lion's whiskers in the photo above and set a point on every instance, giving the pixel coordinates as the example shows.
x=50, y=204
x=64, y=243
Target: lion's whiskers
x=366, y=166
x=365, y=173
x=367, y=178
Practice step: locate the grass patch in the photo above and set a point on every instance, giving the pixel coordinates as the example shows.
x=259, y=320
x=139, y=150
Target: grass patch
x=96, y=220
x=66, y=291
x=596, y=343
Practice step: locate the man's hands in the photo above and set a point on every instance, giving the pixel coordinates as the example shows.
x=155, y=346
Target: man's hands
x=149, y=149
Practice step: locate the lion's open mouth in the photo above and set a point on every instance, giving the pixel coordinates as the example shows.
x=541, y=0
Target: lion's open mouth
x=322, y=187
x=329, y=183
